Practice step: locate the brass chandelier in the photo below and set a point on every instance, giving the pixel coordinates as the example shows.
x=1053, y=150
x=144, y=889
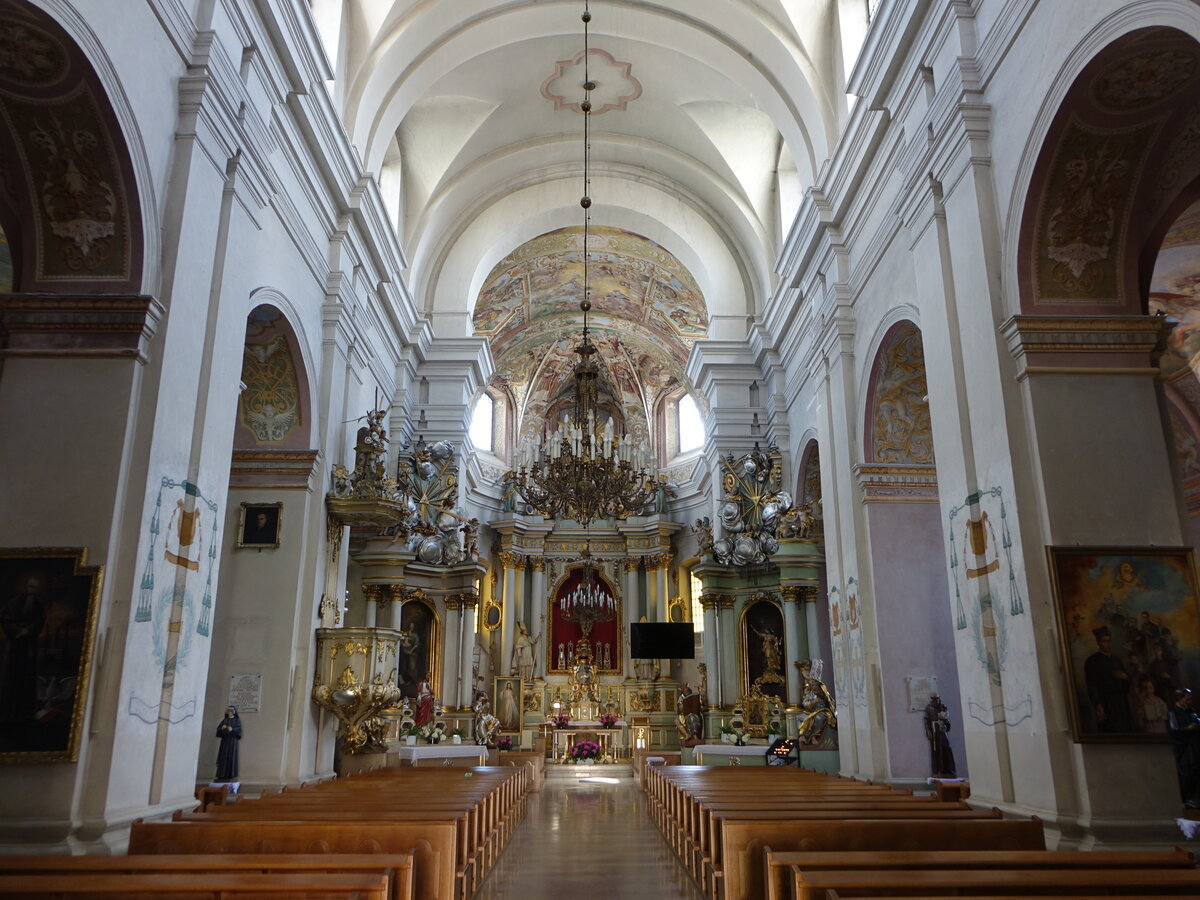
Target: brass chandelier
x=579, y=473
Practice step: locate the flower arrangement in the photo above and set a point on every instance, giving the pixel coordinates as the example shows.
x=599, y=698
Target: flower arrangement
x=608, y=720
x=582, y=750
x=432, y=734
x=504, y=743
x=560, y=720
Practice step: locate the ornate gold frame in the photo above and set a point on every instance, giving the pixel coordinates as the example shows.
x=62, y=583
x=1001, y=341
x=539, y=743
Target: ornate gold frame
x=78, y=557
x=490, y=604
x=435, y=642
x=743, y=651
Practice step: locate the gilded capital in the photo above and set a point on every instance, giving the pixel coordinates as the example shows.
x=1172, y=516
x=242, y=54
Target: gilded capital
x=809, y=593
x=790, y=592
x=509, y=560
x=632, y=563
x=537, y=563
x=453, y=603
x=709, y=601
x=376, y=593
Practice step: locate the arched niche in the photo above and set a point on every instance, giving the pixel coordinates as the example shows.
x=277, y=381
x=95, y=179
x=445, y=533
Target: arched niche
x=69, y=202
x=274, y=408
x=763, y=649
x=808, y=485
x=1118, y=165
x=898, y=429
x=563, y=634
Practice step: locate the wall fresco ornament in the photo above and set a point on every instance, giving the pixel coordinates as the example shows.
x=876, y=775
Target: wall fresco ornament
x=1084, y=211
x=975, y=538
x=1137, y=81
x=183, y=552
x=29, y=56
x=858, y=657
x=902, y=429
x=270, y=404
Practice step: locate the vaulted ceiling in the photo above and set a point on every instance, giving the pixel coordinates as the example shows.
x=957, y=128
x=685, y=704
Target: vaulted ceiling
x=711, y=118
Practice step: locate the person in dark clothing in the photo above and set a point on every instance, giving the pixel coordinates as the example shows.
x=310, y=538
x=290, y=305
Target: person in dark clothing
x=1108, y=686
x=230, y=732
x=1183, y=725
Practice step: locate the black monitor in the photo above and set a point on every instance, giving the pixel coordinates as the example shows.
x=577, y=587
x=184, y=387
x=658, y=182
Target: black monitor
x=662, y=640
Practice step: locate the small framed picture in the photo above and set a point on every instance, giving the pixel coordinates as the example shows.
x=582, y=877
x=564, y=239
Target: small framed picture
x=259, y=525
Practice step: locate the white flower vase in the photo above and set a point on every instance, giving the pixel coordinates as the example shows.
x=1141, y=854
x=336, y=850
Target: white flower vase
x=456, y=739
x=410, y=739
x=587, y=762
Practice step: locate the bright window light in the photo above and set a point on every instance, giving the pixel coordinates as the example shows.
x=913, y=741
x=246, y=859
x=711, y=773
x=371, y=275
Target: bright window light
x=691, y=429
x=481, y=424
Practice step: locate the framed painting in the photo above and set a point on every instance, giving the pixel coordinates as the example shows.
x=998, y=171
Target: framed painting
x=1129, y=625
x=419, y=644
x=258, y=527
x=507, y=705
x=48, y=607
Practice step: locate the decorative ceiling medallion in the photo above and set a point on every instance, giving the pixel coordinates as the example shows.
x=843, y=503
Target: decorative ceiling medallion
x=1145, y=78
x=615, y=87
x=29, y=56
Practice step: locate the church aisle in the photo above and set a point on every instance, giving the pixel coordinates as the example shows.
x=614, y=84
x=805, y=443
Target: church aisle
x=587, y=835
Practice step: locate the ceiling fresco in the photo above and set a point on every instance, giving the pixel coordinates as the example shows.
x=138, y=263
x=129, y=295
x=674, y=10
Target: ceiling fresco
x=647, y=312
x=1175, y=293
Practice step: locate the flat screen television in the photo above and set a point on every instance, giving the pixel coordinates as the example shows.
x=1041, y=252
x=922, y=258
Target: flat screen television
x=662, y=640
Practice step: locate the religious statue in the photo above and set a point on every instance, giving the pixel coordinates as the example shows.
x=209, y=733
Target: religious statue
x=937, y=726
x=486, y=725
x=471, y=538
x=772, y=649
x=702, y=668
x=524, y=654
x=229, y=732
x=819, y=710
x=704, y=536
x=690, y=722
x=425, y=703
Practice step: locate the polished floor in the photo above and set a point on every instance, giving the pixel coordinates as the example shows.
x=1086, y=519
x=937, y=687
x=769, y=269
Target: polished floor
x=587, y=836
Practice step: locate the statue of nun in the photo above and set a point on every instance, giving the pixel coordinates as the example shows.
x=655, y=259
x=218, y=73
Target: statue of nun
x=230, y=732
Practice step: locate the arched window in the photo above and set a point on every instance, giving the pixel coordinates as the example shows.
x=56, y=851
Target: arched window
x=481, y=430
x=691, y=427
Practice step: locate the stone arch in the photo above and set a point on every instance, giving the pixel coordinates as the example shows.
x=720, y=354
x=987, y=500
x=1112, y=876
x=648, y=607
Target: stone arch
x=70, y=204
x=1119, y=163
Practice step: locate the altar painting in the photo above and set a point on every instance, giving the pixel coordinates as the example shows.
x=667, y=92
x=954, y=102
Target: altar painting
x=419, y=643
x=563, y=635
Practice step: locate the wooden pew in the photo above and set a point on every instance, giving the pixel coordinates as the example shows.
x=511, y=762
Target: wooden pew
x=219, y=886
x=396, y=867
x=778, y=863
x=431, y=843
x=813, y=884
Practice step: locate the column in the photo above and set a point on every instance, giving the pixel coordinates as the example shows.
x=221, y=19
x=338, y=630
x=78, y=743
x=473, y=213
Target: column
x=466, y=661
x=630, y=606
x=794, y=647
x=374, y=596
x=809, y=594
x=450, y=648
x=538, y=626
x=514, y=563
x=663, y=600
x=712, y=649
x=395, y=605
x=727, y=623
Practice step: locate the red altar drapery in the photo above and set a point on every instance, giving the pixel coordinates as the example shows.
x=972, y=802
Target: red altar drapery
x=565, y=634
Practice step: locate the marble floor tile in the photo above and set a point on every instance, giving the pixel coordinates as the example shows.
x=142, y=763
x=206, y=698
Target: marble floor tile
x=587, y=836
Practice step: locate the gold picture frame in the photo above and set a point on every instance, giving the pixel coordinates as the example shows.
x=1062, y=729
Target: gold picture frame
x=259, y=525
x=49, y=601
x=507, y=703
x=1129, y=630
